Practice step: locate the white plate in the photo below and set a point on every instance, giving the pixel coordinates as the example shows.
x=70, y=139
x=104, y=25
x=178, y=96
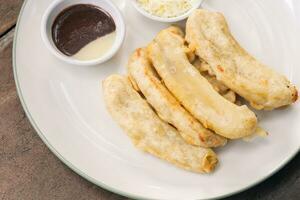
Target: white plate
x=65, y=105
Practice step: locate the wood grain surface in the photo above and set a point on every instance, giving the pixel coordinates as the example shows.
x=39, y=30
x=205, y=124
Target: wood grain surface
x=28, y=170
x=9, y=10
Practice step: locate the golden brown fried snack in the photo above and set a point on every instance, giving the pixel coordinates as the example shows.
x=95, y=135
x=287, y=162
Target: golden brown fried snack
x=148, y=132
x=194, y=92
x=205, y=71
x=208, y=33
x=228, y=94
x=166, y=106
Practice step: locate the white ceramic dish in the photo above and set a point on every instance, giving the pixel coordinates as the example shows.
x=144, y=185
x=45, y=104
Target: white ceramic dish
x=59, y=5
x=195, y=4
x=65, y=105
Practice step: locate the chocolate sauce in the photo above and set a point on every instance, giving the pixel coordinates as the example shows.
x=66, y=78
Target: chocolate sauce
x=78, y=25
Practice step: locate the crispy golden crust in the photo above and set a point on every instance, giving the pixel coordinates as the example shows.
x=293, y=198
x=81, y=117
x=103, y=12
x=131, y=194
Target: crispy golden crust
x=206, y=72
x=166, y=106
x=208, y=33
x=148, y=132
x=194, y=92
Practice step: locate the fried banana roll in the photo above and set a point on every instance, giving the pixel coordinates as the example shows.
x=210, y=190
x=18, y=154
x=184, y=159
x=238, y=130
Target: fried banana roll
x=208, y=34
x=148, y=132
x=165, y=104
x=194, y=92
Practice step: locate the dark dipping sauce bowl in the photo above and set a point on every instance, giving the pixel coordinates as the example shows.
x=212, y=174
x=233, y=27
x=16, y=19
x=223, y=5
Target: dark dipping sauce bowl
x=68, y=25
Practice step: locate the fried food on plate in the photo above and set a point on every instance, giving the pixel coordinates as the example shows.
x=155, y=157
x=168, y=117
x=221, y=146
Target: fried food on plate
x=148, y=132
x=165, y=104
x=228, y=94
x=194, y=92
x=205, y=71
x=208, y=33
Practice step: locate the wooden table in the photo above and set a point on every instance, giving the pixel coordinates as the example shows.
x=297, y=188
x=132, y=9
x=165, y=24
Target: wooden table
x=28, y=170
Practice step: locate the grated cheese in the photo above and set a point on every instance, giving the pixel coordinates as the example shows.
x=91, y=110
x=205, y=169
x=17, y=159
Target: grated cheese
x=165, y=8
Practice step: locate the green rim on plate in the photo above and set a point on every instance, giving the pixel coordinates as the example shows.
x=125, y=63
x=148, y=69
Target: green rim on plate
x=78, y=171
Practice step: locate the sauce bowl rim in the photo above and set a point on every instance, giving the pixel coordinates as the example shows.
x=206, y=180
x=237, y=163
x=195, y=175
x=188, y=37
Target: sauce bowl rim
x=48, y=40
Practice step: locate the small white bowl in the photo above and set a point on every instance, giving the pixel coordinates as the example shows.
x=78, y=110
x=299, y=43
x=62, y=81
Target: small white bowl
x=195, y=4
x=59, y=5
